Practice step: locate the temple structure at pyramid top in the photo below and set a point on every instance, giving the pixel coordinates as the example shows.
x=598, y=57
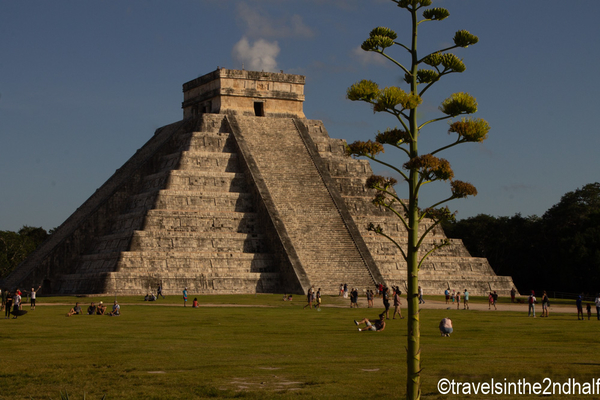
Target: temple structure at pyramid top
x=243, y=195
x=247, y=93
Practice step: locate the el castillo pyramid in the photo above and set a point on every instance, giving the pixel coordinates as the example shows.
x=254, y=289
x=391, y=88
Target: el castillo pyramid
x=244, y=195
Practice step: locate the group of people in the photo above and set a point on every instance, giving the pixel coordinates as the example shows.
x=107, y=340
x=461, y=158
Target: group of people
x=12, y=302
x=455, y=297
x=94, y=309
x=313, y=297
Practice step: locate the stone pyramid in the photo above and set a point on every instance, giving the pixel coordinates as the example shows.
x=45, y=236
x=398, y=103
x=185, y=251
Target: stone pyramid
x=244, y=195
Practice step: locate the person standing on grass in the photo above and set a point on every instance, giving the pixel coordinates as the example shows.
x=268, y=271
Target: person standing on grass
x=545, y=304
x=466, y=300
x=397, y=303
x=447, y=294
x=532, y=301
x=386, y=302
x=8, y=305
x=420, y=292
x=308, y=299
x=185, y=297
x=588, y=308
x=369, y=298
x=490, y=301
x=16, y=304
x=598, y=306
x=513, y=293
x=345, y=290
x=458, y=300
x=159, y=291
x=32, y=296
x=579, y=304
x=319, y=299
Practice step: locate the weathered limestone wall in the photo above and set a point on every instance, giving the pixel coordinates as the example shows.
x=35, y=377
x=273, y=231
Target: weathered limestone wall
x=235, y=92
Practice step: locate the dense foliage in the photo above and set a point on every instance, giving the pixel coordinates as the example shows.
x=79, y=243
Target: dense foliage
x=16, y=246
x=558, y=252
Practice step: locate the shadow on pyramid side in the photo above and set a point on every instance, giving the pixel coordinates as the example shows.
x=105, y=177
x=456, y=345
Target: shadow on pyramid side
x=245, y=195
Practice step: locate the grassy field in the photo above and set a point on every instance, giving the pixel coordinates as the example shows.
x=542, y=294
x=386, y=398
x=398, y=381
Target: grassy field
x=275, y=349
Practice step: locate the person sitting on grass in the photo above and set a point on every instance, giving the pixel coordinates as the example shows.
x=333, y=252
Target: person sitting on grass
x=75, y=310
x=446, y=327
x=195, y=303
x=101, y=309
x=92, y=309
x=116, y=311
x=372, y=325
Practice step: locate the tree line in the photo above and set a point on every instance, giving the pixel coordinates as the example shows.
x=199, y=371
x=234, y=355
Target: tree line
x=559, y=251
x=16, y=246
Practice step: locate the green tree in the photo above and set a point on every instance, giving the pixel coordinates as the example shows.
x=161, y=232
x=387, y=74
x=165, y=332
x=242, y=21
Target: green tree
x=16, y=246
x=420, y=169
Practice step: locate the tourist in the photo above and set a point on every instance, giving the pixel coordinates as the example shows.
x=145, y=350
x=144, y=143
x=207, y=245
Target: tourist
x=446, y=327
x=420, y=292
x=341, y=289
x=386, y=301
x=598, y=306
x=185, y=297
x=319, y=299
x=397, y=303
x=354, y=298
x=309, y=299
x=513, y=293
x=147, y=297
x=345, y=290
x=457, y=300
x=545, y=304
x=91, y=309
x=579, y=304
x=447, y=294
x=3, y=299
x=195, y=303
x=495, y=299
x=466, y=300
x=453, y=295
x=490, y=301
x=373, y=326
x=159, y=291
x=75, y=310
x=369, y=298
x=16, y=303
x=588, y=308
x=8, y=305
x=116, y=310
x=532, y=301
x=32, y=297
x=101, y=309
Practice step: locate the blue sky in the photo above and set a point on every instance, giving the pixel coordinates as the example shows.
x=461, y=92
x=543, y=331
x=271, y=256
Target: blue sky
x=84, y=84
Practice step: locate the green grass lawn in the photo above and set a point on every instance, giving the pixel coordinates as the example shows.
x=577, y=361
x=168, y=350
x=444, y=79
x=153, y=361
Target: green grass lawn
x=279, y=351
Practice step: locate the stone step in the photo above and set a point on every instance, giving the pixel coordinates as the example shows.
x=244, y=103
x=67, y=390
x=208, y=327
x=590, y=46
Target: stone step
x=201, y=160
x=198, y=241
x=196, y=180
x=206, y=200
x=208, y=141
x=202, y=221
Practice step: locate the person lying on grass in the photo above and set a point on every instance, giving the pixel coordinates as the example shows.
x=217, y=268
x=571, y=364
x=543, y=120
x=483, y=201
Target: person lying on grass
x=75, y=310
x=372, y=325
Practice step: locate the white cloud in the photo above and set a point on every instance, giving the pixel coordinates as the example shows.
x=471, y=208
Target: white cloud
x=258, y=56
x=257, y=25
